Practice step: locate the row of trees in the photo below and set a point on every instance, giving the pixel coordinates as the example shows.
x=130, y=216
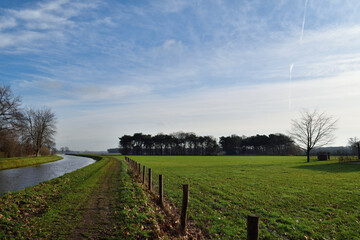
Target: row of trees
x=179, y=143
x=274, y=144
x=183, y=143
x=313, y=129
x=24, y=131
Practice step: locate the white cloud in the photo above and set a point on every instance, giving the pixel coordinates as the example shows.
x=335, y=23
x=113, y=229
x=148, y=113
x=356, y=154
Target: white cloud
x=22, y=37
x=170, y=43
x=171, y=6
x=200, y=66
x=43, y=21
x=108, y=94
x=250, y=110
x=6, y=23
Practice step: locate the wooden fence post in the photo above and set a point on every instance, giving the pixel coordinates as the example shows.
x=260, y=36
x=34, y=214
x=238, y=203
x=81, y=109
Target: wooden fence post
x=161, y=191
x=183, y=216
x=150, y=180
x=143, y=175
x=252, y=227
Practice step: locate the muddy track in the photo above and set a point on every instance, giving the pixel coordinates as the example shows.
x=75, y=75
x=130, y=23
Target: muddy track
x=96, y=221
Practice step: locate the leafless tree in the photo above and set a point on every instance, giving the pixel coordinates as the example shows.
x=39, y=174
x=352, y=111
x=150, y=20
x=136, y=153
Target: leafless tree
x=355, y=143
x=10, y=112
x=40, y=127
x=313, y=129
x=10, y=122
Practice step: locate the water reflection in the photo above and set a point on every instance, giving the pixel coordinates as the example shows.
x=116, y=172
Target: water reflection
x=15, y=179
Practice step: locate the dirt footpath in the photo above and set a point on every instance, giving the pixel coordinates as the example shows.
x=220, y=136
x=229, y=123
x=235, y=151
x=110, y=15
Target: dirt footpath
x=97, y=222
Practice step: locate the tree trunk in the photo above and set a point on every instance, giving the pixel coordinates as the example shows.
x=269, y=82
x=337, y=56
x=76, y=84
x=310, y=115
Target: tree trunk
x=308, y=155
x=358, y=149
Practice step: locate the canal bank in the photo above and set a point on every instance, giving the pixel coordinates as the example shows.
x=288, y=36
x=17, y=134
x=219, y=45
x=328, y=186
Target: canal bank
x=21, y=162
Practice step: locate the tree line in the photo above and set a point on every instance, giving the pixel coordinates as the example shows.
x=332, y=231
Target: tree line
x=23, y=130
x=188, y=143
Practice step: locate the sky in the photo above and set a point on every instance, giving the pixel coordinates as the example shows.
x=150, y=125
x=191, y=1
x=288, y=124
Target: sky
x=109, y=68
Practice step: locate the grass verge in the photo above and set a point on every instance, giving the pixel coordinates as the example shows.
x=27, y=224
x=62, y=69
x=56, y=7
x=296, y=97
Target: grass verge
x=19, y=162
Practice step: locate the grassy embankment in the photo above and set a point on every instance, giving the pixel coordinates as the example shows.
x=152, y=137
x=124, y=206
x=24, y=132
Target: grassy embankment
x=297, y=200
x=18, y=162
x=72, y=206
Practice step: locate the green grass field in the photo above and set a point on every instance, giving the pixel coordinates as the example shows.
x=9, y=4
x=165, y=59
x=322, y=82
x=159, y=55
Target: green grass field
x=18, y=162
x=294, y=199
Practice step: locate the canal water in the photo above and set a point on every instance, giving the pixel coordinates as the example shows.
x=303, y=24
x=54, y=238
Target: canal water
x=15, y=179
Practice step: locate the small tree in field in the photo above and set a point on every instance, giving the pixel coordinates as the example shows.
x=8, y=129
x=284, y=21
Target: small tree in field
x=313, y=129
x=355, y=143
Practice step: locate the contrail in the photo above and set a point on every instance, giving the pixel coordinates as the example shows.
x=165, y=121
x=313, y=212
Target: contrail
x=290, y=85
x=292, y=65
x=303, y=22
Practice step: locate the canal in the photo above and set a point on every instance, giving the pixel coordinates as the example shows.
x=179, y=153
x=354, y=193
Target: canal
x=16, y=179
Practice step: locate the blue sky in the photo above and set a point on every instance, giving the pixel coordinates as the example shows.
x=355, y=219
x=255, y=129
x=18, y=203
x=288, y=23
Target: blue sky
x=109, y=68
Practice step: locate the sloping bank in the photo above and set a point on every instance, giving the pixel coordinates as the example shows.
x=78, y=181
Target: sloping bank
x=97, y=201
x=19, y=162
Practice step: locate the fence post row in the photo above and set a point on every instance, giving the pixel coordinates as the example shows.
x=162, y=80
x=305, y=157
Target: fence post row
x=253, y=221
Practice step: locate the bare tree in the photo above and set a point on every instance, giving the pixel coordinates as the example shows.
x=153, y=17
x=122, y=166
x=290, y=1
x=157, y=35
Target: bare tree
x=313, y=129
x=10, y=112
x=355, y=143
x=10, y=122
x=40, y=127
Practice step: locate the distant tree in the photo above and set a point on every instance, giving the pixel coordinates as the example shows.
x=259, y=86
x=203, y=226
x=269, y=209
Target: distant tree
x=126, y=144
x=169, y=143
x=40, y=127
x=211, y=146
x=231, y=145
x=10, y=113
x=138, y=143
x=54, y=150
x=113, y=150
x=11, y=122
x=313, y=129
x=192, y=143
x=147, y=144
x=355, y=143
x=201, y=143
x=258, y=143
x=280, y=144
x=159, y=141
x=180, y=142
